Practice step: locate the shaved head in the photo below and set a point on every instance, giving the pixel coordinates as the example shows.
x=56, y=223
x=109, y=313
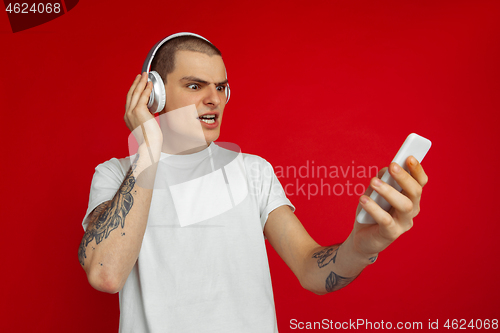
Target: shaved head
x=164, y=59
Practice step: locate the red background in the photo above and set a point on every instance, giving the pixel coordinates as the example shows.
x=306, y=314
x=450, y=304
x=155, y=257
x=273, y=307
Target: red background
x=327, y=81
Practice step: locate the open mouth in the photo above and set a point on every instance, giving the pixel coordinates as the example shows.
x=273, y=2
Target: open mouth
x=208, y=118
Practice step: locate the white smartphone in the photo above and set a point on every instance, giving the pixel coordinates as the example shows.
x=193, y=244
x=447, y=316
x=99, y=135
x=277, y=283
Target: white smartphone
x=414, y=145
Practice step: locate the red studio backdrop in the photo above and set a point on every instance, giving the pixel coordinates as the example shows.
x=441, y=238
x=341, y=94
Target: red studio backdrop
x=323, y=83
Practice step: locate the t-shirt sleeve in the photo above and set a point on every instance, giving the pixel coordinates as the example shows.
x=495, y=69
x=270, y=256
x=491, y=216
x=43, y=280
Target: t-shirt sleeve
x=106, y=181
x=271, y=194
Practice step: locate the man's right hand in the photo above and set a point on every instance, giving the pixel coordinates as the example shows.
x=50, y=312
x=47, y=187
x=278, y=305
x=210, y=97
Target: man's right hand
x=139, y=120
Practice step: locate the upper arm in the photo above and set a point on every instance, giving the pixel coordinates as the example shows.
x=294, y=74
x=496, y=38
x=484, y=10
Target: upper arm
x=289, y=238
x=106, y=181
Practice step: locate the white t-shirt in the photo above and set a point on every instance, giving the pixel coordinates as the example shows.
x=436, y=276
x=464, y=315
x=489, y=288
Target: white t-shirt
x=203, y=264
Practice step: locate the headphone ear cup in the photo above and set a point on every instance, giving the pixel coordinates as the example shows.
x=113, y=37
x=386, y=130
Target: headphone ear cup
x=228, y=93
x=157, y=98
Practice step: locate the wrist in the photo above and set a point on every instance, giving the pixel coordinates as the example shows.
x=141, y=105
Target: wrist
x=148, y=134
x=358, y=253
x=145, y=165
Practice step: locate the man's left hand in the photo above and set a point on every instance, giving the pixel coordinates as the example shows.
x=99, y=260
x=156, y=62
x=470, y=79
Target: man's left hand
x=370, y=239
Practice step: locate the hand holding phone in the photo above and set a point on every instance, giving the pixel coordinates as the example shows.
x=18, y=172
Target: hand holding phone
x=414, y=145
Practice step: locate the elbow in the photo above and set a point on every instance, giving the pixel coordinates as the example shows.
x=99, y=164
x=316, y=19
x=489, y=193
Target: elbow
x=105, y=286
x=102, y=280
x=318, y=292
x=312, y=287
x=315, y=290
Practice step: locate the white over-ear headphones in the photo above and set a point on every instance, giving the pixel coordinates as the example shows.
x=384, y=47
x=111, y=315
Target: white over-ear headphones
x=157, y=98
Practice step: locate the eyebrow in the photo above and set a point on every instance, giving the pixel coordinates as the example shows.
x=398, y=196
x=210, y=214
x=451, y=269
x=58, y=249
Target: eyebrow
x=195, y=79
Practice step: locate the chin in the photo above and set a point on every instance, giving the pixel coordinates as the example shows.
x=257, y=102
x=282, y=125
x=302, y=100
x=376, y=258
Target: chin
x=210, y=137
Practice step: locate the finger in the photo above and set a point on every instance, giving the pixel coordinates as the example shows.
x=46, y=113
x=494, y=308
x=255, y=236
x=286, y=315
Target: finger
x=417, y=171
x=139, y=89
x=409, y=184
x=387, y=225
x=369, y=190
x=144, y=99
x=403, y=204
x=381, y=172
x=131, y=91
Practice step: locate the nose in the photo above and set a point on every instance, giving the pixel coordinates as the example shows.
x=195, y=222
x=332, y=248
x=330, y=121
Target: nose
x=212, y=98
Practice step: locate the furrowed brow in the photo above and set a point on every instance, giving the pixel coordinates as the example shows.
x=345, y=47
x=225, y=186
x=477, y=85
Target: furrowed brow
x=198, y=80
x=221, y=83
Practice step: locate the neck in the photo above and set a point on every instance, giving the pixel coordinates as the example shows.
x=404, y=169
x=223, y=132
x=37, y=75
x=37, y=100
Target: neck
x=183, y=147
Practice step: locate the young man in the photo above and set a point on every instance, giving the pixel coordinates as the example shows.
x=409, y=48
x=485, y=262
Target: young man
x=190, y=256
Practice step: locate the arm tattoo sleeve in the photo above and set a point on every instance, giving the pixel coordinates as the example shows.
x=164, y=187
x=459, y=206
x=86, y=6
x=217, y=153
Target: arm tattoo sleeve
x=109, y=215
x=326, y=256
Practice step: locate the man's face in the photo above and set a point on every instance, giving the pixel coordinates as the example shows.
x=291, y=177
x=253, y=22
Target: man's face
x=198, y=79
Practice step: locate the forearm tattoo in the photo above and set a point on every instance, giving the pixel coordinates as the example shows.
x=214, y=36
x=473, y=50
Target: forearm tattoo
x=335, y=282
x=326, y=256
x=109, y=215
